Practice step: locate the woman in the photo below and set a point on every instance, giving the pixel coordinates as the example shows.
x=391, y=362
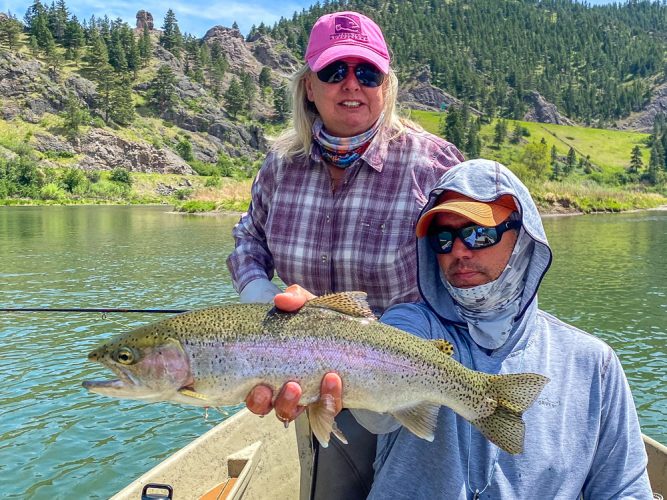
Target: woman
x=335, y=204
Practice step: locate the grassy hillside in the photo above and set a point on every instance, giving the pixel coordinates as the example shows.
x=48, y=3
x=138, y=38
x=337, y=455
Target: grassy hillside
x=607, y=151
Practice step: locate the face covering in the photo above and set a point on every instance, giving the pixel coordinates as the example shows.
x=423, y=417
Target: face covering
x=343, y=151
x=490, y=309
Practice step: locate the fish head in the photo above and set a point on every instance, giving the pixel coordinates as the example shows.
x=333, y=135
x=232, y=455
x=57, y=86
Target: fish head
x=150, y=365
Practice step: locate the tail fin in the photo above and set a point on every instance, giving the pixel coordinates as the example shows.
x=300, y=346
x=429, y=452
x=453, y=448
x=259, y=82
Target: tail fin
x=514, y=393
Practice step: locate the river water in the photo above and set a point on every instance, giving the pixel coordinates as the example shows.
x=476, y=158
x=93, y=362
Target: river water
x=609, y=277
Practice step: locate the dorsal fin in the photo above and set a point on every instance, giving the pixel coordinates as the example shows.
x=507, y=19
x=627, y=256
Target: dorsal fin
x=350, y=303
x=443, y=346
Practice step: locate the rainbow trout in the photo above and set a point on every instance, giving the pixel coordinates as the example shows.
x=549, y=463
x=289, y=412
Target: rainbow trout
x=215, y=356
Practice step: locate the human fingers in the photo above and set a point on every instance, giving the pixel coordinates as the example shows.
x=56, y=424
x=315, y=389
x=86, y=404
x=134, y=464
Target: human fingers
x=299, y=290
x=332, y=386
x=289, y=302
x=259, y=399
x=293, y=298
x=287, y=403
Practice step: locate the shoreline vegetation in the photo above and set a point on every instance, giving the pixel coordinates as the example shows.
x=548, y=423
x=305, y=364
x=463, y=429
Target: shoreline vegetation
x=568, y=170
x=192, y=195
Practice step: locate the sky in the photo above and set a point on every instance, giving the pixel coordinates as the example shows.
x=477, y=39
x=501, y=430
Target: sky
x=194, y=16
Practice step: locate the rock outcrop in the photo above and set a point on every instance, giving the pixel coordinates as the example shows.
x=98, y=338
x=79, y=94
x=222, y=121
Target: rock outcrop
x=542, y=111
x=265, y=50
x=239, y=56
x=422, y=94
x=144, y=20
x=102, y=150
x=643, y=122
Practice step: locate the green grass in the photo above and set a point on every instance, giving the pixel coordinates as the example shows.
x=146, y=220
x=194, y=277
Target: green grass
x=608, y=149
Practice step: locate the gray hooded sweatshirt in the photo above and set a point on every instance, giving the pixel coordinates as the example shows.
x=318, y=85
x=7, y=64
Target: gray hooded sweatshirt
x=582, y=434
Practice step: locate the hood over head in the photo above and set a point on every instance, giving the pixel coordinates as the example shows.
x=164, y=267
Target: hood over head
x=502, y=193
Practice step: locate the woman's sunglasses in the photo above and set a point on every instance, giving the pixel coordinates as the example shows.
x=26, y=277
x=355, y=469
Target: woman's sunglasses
x=473, y=237
x=367, y=74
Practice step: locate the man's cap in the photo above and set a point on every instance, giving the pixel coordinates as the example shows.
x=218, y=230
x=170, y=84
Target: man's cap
x=346, y=34
x=489, y=213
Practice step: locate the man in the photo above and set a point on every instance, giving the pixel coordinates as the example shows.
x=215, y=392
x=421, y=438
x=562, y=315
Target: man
x=582, y=434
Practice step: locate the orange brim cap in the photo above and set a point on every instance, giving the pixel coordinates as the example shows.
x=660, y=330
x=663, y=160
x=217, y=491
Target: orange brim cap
x=489, y=213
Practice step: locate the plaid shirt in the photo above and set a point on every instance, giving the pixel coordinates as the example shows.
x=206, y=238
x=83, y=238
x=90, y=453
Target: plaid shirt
x=359, y=237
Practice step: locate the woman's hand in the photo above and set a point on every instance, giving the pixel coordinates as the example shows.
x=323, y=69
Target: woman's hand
x=292, y=299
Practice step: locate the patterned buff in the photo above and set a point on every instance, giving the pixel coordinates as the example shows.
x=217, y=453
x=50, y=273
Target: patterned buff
x=343, y=151
x=490, y=309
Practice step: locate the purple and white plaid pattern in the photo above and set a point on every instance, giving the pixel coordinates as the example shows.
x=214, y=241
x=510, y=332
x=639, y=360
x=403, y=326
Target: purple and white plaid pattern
x=360, y=237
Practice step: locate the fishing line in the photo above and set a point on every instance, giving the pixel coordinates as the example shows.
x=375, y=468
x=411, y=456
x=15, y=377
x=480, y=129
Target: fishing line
x=103, y=310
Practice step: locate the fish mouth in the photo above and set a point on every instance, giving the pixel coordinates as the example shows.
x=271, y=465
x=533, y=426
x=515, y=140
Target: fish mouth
x=124, y=382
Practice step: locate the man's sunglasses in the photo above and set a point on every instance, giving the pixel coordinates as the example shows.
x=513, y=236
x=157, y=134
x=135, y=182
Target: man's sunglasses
x=473, y=237
x=367, y=74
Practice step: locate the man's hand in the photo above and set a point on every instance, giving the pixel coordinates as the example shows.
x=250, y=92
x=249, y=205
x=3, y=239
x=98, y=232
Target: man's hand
x=286, y=406
x=260, y=399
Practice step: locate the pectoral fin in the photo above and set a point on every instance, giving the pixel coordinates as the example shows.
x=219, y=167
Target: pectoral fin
x=192, y=394
x=421, y=420
x=322, y=423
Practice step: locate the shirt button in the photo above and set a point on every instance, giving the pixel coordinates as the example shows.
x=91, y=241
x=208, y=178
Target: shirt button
x=328, y=218
x=324, y=258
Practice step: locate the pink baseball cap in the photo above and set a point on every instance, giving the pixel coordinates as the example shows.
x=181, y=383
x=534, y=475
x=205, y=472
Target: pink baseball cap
x=346, y=34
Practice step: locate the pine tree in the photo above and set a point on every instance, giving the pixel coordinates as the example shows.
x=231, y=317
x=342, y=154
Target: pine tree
x=58, y=14
x=570, y=162
x=35, y=10
x=499, y=132
x=145, y=47
x=473, y=144
x=280, y=103
x=249, y=90
x=655, y=164
x=104, y=75
x=163, y=89
x=10, y=31
x=636, y=163
x=74, y=116
x=74, y=39
x=234, y=98
x=265, y=77
x=122, y=106
x=97, y=56
x=454, y=130
x=171, y=38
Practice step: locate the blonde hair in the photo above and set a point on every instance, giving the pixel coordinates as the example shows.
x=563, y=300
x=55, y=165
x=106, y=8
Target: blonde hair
x=297, y=139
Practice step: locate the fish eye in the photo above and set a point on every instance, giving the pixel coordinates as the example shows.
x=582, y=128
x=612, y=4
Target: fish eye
x=124, y=356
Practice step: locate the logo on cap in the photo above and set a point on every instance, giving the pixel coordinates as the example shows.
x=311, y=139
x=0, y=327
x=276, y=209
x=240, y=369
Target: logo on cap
x=347, y=26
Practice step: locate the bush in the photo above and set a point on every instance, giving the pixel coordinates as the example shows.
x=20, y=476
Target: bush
x=108, y=190
x=194, y=206
x=183, y=194
x=51, y=192
x=72, y=178
x=203, y=168
x=213, y=181
x=184, y=149
x=225, y=165
x=93, y=175
x=121, y=176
